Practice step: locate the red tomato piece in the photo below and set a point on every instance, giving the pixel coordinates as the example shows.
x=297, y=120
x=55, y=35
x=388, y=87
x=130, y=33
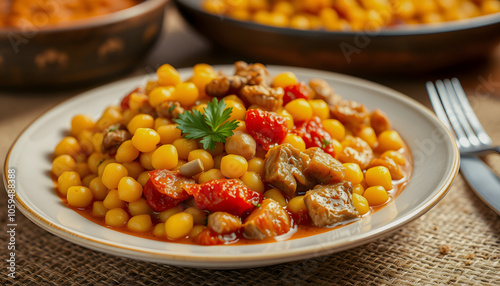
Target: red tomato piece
x=164, y=189
x=225, y=195
x=210, y=237
x=126, y=100
x=157, y=201
x=314, y=135
x=267, y=128
x=295, y=91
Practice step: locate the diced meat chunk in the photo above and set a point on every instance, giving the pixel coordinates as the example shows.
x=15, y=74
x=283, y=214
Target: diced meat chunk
x=268, y=220
x=284, y=167
x=356, y=150
x=169, y=109
x=267, y=98
x=225, y=85
x=322, y=90
x=350, y=113
x=323, y=167
x=113, y=137
x=222, y=222
x=255, y=74
x=379, y=121
x=328, y=205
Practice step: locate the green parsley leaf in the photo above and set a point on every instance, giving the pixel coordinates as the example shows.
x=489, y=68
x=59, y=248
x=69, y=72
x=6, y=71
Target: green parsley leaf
x=211, y=126
x=325, y=143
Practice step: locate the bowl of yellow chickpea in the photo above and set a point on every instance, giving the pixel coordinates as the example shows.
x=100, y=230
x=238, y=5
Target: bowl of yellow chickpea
x=230, y=166
x=366, y=36
x=60, y=44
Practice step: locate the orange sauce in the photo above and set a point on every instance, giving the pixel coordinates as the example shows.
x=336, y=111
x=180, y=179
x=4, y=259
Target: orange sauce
x=298, y=231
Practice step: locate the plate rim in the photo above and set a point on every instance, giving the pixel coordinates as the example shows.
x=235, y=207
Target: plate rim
x=205, y=260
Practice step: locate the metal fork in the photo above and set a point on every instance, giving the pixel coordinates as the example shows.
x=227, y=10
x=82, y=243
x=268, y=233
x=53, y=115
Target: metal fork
x=454, y=110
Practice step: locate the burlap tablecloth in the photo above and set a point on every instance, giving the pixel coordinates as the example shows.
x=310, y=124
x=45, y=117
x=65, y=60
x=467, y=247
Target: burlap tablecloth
x=457, y=242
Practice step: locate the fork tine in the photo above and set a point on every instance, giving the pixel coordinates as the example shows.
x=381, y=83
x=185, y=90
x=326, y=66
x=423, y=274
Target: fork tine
x=448, y=108
x=459, y=112
x=469, y=112
x=436, y=104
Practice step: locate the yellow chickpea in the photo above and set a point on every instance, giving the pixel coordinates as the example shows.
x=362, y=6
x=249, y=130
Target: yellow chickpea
x=253, y=181
x=379, y=176
x=233, y=166
x=134, y=169
x=300, y=22
x=165, y=157
x=139, y=207
x=335, y=128
x=368, y=134
x=196, y=230
x=140, y=121
x=184, y=146
x=99, y=190
x=116, y=217
x=358, y=189
x=296, y=205
x=164, y=215
x=239, y=111
x=376, y=195
x=160, y=121
x=276, y=195
x=160, y=95
x=82, y=169
x=63, y=163
x=178, y=225
x=186, y=93
x=94, y=160
x=145, y=139
x=112, y=200
x=98, y=209
x=168, y=75
x=159, y=230
x=129, y=190
x=102, y=165
x=68, y=145
x=204, y=156
x=109, y=117
x=299, y=109
x=126, y=153
x=320, y=108
x=66, y=180
x=87, y=179
x=257, y=165
x=284, y=79
x=212, y=174
x=81, y=122
x=79, y=196
x=199, y=216
x=353, y=173
x=295, y=140
x=395, y=156
x=360, y=203
x=143, y=178
x=145, y=159
x=112, y=175
x=169, y=133
x=140, y=223
x=389, y=140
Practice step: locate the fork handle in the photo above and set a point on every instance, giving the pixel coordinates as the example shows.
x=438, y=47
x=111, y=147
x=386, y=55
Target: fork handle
x=481, y=151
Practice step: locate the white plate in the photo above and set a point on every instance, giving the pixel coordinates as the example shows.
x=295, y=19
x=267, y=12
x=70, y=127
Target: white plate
x=436, y=161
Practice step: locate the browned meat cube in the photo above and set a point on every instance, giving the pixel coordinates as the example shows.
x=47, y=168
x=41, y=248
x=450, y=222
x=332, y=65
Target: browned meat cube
x=255, y=74
x=322, y=90
x=323, y=167
x=267, y=98
x=379, y=121
x=356, y=150
x=284, y=169
x=350, y=113
x=268, y=220
x=113, y=137
x=328, y=205
x=222, y=222
x=169, y=109
x=225, y=85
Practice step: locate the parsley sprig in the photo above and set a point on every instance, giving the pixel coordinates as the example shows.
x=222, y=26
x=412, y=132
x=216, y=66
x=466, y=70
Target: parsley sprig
x=211, y=126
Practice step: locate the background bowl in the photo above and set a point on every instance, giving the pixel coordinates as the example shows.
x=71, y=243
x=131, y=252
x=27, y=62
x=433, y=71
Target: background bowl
x=81, y=51
x=406, y=49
